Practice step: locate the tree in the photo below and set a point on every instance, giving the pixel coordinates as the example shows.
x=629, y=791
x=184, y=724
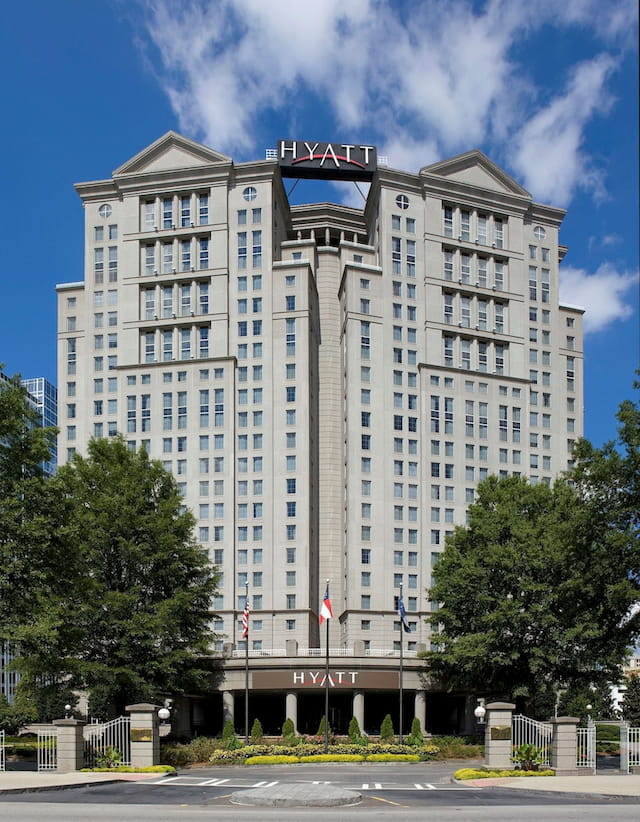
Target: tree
x=30, y=556
x=531, y=599
x=386, y=729
x=133, y=623
x=631, y=701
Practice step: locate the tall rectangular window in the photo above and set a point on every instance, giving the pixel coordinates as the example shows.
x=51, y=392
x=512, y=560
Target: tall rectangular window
x=203, y=298
x=145, y=412
x=185, y=211
x=113, y=264
x=447, y=213
x=396, y=255
x=256, y=248
x=242, y=250
x=185, y=255
x=203, y=209
x=98, y=265
x=167, y=213
x=203, y=253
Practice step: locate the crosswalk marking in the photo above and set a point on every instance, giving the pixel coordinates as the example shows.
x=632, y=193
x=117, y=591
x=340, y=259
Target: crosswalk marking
x=213, y=782
x=418, y=786
x=430, y=786
x=168, y=779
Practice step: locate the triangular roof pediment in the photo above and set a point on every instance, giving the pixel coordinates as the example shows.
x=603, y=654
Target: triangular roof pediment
x=476, y=169
x=171, y=151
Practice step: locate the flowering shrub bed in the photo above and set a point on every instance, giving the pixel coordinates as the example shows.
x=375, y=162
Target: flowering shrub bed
x=477, y=773
x=301, y=752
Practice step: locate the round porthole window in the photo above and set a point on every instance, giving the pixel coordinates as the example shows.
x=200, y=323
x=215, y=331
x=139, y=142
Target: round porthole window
x=539, y=233
x=105, y=211
x=402, y=201
x=250, y=193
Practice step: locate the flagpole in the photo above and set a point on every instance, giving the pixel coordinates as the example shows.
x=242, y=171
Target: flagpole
x=401, y=666
x=246, y=670
x=326, y=690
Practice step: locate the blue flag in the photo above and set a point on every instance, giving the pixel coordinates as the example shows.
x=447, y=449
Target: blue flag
x=403, y=615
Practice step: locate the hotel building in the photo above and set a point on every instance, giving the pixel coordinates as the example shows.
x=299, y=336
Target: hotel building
x=328, y=385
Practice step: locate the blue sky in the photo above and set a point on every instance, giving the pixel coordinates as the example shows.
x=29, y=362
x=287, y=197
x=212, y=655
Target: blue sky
x=548, y=90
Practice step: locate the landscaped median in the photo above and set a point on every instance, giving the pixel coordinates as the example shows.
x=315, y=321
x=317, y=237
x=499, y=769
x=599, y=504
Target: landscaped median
x=307, y=752
x=483, y=773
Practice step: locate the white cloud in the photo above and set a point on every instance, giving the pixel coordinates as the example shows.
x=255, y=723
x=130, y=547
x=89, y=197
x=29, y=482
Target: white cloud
x=435, y=81
x=605, y=294
x=548, y=152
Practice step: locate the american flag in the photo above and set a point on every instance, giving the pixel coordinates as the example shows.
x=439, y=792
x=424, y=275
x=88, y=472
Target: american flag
x=326, y=611
x=245, y=619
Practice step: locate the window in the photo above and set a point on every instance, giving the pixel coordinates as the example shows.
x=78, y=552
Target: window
x=250, y=193
x=447, y=213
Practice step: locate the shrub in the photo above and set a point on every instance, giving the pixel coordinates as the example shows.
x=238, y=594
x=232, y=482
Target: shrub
x=129, y=769
x=256, y=732
x=288, y=729
x=198, y=750
x=477, y=773
x=386, y=729
x=528, y=757
x=229, y=738
x=393, y=757
x=457, y=747
x=271, y=760
x=415, y=738
x=331, y=758
x=322, y=728
x=109, y=758
x=355, y=734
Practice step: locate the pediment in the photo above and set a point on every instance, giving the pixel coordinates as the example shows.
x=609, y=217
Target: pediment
x=171, y=151
x=476, y=169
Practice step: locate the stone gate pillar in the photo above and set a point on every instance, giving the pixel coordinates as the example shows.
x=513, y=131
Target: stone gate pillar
x=70, y=744
x=564, y=747
x=145, y=734
x=498, y=742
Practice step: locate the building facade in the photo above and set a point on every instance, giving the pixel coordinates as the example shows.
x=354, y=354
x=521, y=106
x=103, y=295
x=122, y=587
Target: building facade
x=327, y=384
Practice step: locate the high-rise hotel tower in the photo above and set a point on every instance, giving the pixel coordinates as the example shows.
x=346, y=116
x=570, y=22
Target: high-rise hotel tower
x=327, y=384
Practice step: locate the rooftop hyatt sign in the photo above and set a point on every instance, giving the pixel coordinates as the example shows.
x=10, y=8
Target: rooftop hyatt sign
x=331, y=161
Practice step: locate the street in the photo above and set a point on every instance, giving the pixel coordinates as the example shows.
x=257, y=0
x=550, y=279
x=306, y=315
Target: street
x=388, y=790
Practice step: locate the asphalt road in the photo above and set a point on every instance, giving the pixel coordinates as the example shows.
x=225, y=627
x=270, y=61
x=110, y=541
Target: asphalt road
x=410, y=793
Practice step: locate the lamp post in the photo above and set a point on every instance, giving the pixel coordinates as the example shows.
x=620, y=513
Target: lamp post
x=164, y=714
x=480, y=712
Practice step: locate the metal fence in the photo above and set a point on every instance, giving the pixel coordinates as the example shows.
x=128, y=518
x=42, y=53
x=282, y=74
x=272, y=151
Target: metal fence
x=633, y=747
x=528, y=731
x=2, y=753
x=586, y=748
x=108, y=741
x=47, y=750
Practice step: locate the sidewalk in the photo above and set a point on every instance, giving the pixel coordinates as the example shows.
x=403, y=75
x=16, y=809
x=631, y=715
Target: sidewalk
x=27, y=781
x=594, y=784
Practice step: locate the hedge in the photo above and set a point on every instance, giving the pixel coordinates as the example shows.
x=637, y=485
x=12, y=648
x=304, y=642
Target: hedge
x=476, y=773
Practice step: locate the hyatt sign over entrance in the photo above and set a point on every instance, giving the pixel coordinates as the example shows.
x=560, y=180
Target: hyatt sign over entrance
x=331, y=161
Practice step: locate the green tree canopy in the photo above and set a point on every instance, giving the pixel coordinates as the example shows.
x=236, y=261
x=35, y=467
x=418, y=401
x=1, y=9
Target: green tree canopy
x=531, y=598
x=30, y=555
x=134, y=618
x=631, y=701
